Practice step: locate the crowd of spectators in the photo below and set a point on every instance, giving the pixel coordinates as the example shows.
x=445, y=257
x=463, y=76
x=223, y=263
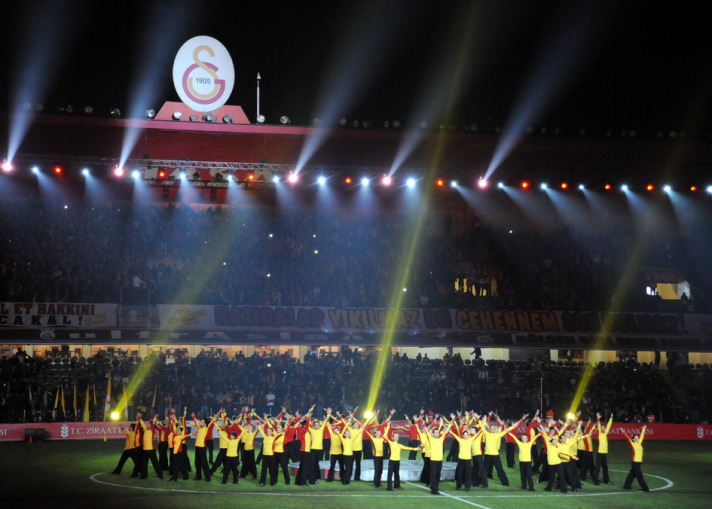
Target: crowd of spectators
x=212, y=380
x=265, y=256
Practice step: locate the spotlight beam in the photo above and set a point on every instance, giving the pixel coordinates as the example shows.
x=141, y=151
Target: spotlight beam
x=557, y=61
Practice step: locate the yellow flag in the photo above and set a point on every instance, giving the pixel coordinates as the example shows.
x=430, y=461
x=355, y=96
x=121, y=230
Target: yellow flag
x=107, y=404
x=126, y=404
x=56, y=403
x=32, y=406
x=86, y=406
x=74, y=403
x=155, y=388
x=64, y=410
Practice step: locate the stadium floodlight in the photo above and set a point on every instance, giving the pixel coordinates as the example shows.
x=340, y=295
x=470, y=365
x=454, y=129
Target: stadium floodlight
x=321, y=180
x=119, y=171
x=482, y=183
x=709, y=189
x=227, y=119
x=88, y=110
x=7, y=166
x=193, y=118
x=624, y=188
x=177, y=115
x=365, y=181
x=261, y=119
x=284, y=119
x=150, y=113
x=85, y=172
x=35, y=169
x=292, y=179
x=453, y=183
x=410, y=182
x=386, y=180
x=135, y=174
x=209, y=118
x=667, y=188
x=581, y=187
x=275, y=179
x=116, y=113
x=182, y=175
x=543, y=185
x=500, y=185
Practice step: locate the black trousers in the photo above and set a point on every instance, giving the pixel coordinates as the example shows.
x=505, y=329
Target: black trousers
x=546, y=472
x=425, y=473
x=510, y=450
x=283, y=461
x=393, y=478
x=436, y=468
x=305, y=467
x=230, y=464
x=378, y=471
x=180, y=465
x=201, y=463
x=463, y=473
x=492, y=460
x=479, y=473
x=454, y=451
x=357, y=465
x=333, y=460
x=572, y=476
x=219, y=460
x=150, y=455
x=327, y=448
x=601, y=464
x=348, y=468
x=128, y=453
x=163, y=454
x=315, y=472
x=586, y=464
x=637, y=473
x=525, y=473
x=554, y=471
x=269, y=465
x=209, y=444
x=248, y=464
x=138, y=461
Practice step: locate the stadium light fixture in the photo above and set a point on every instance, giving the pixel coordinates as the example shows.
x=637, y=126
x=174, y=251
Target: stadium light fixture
x=35, y=169
x=321, y=180
x=261, y=119
x=292, y=179
x=116, y=113
x=543, y=185
x=284, y=119
x=410, y=182
x=7, y=166
x=386, y=180
x=135, y=174
x=482, y=183
x=453, y=183
x=85, y=172
x=667, y=188
x=150, y=113
x=624, y=187
x=119, y=171
x=500, y=185
x=365, y=181
x=177, y=115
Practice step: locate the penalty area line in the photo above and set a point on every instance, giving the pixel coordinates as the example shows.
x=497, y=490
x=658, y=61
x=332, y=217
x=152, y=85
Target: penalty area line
x=451, y=496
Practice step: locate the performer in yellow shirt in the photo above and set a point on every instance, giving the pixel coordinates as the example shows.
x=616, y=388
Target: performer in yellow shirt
x=493, y=441
x=393, y=478
x=463, y=472
x=378, y=441
x=336, y=453
x=436, y=441
x=636, y=443
x=602, y=455
x=525, y=459
x=230, y=460
x=554, y=453
x=129, y=449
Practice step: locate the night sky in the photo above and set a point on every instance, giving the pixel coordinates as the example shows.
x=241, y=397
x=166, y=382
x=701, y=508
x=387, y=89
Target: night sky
x=599, y=64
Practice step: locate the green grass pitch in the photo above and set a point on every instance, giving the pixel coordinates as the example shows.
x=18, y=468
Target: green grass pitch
x=74, y=474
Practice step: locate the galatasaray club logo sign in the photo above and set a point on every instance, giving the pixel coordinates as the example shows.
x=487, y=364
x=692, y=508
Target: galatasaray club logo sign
x=203, y=74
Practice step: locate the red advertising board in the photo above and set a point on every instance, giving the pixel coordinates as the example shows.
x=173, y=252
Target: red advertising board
x=112, y=430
